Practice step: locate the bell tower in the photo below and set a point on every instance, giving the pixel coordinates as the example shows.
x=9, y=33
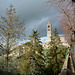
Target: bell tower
x=49, y=29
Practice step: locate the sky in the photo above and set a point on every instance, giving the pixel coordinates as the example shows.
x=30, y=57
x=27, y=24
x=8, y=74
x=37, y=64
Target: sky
x=35, y=14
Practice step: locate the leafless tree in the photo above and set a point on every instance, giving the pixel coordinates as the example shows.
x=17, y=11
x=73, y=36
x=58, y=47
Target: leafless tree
x=11, y=30
x=66, y=9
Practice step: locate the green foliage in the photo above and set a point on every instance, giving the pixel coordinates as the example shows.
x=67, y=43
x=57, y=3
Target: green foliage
x=55, y=39
x=28, y=44
x=12, y=67
x=32, y=62
x=55, y=53
x=35, y=40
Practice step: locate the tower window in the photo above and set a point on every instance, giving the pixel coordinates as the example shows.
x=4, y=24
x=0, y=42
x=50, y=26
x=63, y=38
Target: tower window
x=48, y=26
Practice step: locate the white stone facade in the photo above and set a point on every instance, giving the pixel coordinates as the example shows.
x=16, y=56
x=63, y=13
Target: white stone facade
x=49, y=29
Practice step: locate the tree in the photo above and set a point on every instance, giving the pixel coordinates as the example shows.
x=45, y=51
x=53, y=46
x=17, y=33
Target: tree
x=55, y=39
x=37, y=52
x=28, y=44
x=35, y=39
x=12, y=67
x=54, y=53
x=11, y=30
x=57, y=2
x=68, y=21
x=33, y=61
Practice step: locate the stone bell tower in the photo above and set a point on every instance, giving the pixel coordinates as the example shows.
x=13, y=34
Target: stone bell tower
x=49, y=29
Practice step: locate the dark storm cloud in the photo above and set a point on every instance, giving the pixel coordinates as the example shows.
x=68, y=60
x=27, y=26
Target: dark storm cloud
x=34, y=13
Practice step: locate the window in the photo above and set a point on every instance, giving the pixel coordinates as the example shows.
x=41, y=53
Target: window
x=48, y=26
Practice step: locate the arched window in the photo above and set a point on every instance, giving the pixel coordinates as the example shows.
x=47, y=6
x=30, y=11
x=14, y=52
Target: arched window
x=48, y=26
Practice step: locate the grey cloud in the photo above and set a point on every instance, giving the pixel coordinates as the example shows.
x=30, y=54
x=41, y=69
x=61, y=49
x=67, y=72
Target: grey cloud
x=34, y=13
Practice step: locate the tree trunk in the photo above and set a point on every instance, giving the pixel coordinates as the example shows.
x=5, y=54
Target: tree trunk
x=34, y=43
x=7, y=51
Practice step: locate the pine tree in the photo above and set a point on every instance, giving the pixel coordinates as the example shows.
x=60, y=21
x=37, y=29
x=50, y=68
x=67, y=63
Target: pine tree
x=37, y=52
x=35, y=39
x=33, y=60
x=54, y=52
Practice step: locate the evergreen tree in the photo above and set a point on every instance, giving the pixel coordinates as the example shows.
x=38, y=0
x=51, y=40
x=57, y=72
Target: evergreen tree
x=33, y=60
x=54, y=53
x=37, y=52
x=35, y=39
